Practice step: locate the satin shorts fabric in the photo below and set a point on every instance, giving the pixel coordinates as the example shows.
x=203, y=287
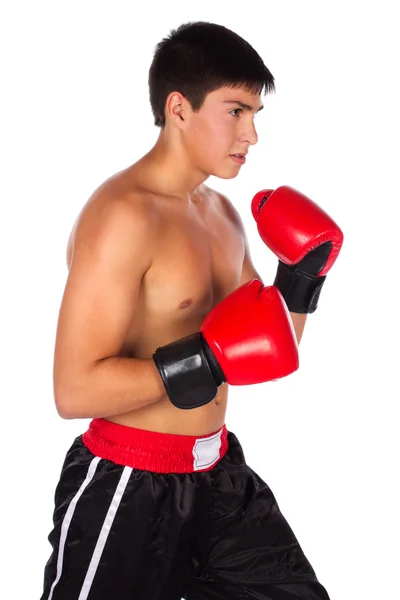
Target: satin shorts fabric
x=133, y=534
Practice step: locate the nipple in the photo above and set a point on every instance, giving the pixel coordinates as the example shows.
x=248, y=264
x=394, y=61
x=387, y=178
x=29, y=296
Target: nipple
x=185, y=303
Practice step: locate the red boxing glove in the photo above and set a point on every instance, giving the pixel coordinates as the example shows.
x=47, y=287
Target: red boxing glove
x=251, y=335
x=305, y=239
x=247, y=338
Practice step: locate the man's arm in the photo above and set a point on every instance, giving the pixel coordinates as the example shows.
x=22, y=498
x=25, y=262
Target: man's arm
x=113, y=249
x=248, y=270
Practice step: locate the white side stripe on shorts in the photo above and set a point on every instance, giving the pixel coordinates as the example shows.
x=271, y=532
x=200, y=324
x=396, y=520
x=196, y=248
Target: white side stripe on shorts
x=105, y=530
x=68, y=518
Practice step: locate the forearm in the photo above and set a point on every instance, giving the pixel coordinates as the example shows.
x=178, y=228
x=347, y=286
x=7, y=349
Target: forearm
x=299, y=322
x=115, y=385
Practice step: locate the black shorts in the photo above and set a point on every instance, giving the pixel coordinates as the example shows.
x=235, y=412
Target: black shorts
x=150, y=516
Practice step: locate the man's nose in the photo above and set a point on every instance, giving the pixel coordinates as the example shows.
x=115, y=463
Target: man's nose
x=250, y=135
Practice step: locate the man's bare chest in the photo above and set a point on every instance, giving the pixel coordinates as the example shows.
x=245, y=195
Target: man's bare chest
x=197, y=263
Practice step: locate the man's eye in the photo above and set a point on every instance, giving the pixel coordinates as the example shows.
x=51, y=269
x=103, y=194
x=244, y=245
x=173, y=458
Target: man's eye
x=236, y=110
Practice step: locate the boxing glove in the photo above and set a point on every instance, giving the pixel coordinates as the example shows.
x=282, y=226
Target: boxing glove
x=247, y=338
x=305, y=239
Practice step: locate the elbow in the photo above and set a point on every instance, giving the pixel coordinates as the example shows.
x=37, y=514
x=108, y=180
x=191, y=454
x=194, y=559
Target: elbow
x=72, y=396
x=68, y=402
x=65, y=414
x=65, y=406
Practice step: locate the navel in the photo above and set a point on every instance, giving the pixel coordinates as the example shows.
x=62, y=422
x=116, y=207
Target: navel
x=185, y=303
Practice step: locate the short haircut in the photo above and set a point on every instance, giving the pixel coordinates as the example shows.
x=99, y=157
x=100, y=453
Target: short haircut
x=198, y=58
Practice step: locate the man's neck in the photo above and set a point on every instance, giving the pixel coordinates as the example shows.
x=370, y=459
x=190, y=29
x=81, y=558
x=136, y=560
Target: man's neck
x=170, y=169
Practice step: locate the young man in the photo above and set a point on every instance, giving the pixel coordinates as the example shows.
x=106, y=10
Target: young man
x=161, y=310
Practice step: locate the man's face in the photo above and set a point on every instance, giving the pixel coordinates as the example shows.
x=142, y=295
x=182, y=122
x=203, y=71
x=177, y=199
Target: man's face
x=223, y=127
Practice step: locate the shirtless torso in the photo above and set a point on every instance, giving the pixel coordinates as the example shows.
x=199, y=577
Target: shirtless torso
x=197, y=263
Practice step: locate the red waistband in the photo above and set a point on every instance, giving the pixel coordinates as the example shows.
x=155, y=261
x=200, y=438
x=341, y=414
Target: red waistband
x=153, y=451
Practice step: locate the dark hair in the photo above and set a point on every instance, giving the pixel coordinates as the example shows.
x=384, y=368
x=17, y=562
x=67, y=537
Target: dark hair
x=198, y=58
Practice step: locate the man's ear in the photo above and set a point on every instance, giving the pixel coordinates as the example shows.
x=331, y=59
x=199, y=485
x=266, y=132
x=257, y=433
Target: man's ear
x=177, y=109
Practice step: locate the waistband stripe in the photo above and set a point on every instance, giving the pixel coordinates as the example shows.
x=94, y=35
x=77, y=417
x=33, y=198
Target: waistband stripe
x=153, y=451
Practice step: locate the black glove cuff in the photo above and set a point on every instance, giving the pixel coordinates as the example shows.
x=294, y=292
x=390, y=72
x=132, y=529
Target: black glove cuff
x=189, y=370
x=213, y=364
x=299, y=289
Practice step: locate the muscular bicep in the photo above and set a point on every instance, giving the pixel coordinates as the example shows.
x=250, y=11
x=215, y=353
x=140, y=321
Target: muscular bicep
x=111, y=254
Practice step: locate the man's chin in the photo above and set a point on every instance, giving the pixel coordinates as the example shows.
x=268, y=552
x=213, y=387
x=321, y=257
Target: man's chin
x=225, y=174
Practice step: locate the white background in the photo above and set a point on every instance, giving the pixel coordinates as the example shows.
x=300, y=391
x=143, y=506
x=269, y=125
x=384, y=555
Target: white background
x=75, y=110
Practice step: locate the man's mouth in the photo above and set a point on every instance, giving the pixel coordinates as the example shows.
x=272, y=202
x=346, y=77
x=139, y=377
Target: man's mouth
x=240, y=159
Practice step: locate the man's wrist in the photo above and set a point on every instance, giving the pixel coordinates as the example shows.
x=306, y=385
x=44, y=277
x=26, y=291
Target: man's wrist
x=189, y=378
x=299, y=289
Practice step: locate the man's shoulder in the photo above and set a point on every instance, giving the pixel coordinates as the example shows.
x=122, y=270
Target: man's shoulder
x=123, y=190
x=230, y=211
x=120, y=197
x=113, y=210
